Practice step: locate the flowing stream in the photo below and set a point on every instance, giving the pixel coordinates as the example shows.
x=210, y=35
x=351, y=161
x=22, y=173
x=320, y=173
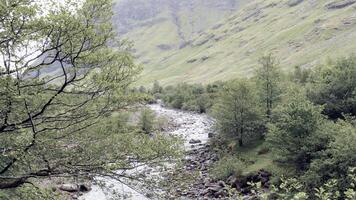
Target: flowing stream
x=190, y=126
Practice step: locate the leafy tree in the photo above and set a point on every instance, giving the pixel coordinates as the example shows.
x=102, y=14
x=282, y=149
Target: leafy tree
x=334, y=86
x=63, y=72
x=237, y=111
x=147, y=120
x=297, y=134
x=300, y=75
x=268, y=77
x=157, y=88
x=142, y=89
x=334, y=163
x=195, y=97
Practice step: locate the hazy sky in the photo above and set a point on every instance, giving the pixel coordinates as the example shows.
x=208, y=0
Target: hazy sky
x=45, y=6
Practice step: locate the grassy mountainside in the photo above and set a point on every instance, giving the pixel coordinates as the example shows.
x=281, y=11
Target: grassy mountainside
x=298, y=32
x=159, y=28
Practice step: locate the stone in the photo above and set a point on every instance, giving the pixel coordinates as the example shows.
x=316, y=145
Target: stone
x=210, y=135
x=222, y=183
x=69, y=188
x=220, y=193
x=194, y=141
x=84, y=187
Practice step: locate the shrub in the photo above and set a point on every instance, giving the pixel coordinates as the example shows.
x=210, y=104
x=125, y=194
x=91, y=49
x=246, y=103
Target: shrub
x=297, y=133
x=147, y=120
x=334, y=86
x=226, y=167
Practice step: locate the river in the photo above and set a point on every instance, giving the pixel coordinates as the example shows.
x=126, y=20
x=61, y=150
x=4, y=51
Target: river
x=190, y=126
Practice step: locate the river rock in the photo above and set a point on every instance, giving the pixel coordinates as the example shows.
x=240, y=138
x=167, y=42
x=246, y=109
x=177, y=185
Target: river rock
x=84, y=187
x=69, y=187
x=194, y=141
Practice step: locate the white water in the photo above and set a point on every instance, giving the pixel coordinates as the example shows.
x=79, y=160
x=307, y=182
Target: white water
x=187, y=125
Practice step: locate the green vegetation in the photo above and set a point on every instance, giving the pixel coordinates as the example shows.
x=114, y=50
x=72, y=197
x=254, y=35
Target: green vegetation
x=237, y=112
x=226, y=167
x=61, y=124
x=146, y=121
x=302, y=35
x=334, y=86
x=268, y=78
x=298, y=132
x=68, y=110
x=301, y=142
x=196, y=98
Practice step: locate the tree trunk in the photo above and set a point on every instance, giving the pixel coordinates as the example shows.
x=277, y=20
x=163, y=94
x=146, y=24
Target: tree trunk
x=241, y=142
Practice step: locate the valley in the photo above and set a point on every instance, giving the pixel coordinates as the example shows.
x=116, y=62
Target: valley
x=299, y=33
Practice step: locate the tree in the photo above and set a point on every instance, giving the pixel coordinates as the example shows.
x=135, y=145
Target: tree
x=157, y=88
x=237, y=111
x=297, y=134
x=334, y=163
x=142, y=89
x=62, y=73
x=300, y=75
x=147, y=120
x=268, y=77
x=334, y=86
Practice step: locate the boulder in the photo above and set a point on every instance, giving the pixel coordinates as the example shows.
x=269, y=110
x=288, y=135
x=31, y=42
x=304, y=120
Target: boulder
x=69, y=187
x=84, y=187
x=194, y=141
x=210, y=135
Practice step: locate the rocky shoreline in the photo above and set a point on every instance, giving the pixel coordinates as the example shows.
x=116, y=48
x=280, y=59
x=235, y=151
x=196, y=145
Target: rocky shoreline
x=196, y=129
x=201, y=160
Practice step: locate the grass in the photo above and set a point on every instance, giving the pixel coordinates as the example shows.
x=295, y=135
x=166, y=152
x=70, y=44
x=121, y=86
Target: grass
x=248, y=160
x=254, y=159
x=320, y=32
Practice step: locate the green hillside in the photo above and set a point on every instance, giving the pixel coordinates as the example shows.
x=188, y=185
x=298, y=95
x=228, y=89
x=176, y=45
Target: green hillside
x=298, y=32
x=160, y=28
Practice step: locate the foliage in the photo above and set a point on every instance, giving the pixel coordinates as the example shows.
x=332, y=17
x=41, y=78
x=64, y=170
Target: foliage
x=147, y=120
x=60, y=81
x=335, y=161
x=334, y=86
x=226, y=167
x=237, y=112
x=196, y=98
x=28, y=192
x=300, y=75
x=292, y=188
x=268, y=78
x=297, y=134
x=157, y=88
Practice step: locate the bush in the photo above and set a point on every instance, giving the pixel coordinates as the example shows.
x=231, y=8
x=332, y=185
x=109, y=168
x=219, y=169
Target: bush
x=336, y=160
x=226, y=167
x=334, y=86
x=147, y=120
x=195, y=97
x=297, y=134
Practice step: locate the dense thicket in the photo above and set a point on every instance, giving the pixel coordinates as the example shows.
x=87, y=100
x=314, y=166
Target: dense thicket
x=299, y=131
x=293, y=111
x=196, y=98
x=334, y=85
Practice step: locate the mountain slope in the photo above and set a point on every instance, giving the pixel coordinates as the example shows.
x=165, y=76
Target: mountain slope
x=158, y=28
x=298, y=32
